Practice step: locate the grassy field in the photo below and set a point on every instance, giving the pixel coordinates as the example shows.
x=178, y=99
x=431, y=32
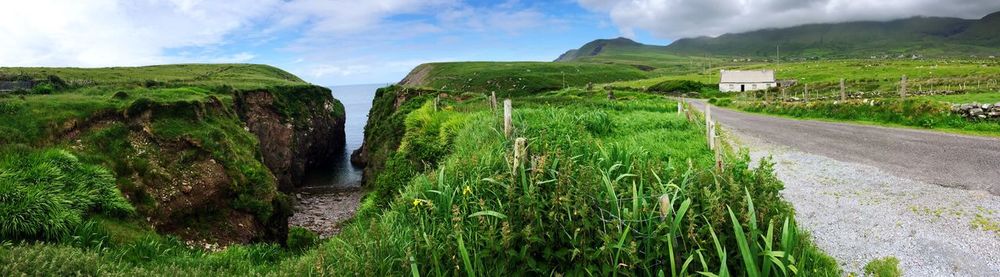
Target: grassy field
x=605, y=187
x=200, y=75
x=516, y=78
x=861, y=74
x=986, y=97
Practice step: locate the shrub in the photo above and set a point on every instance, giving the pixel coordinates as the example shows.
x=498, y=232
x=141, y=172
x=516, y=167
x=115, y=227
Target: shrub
x=884, y=267
x=678, y=86
x=300, y=239
x=46, y=194
x=43, y=88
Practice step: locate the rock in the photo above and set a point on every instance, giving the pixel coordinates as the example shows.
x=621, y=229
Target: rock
x=986, y=106
x=976, y=112
x=186, y=189
x=965, y=107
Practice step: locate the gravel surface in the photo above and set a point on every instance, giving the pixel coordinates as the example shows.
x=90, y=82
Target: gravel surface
x=950, y=160
x=857, y=213
x=321, y=210
x=863, y=192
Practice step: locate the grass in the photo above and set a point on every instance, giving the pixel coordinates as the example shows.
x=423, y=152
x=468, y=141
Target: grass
x=518, y=78
x=861, y=75
x=987, y=97
x=884, y=267
x=608, y=187
x=913, y=113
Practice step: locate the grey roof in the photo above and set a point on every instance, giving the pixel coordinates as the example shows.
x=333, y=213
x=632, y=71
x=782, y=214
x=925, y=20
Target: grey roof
x=754, y=76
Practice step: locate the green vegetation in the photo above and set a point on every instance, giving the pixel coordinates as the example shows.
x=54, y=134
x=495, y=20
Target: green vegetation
x=920, y=113
x=121, y=149
x=242, y=76
x=607, y=187
x=516, y=78
x=991, y=97
x=45, y=195
x=470, y=210
x=884, y=267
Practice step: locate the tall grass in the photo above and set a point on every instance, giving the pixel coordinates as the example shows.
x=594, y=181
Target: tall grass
x=46, y=194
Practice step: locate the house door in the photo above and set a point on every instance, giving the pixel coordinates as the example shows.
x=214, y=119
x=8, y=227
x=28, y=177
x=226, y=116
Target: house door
x=743, y=88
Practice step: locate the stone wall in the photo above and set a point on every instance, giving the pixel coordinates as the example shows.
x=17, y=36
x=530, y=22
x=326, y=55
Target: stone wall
x=976, y=111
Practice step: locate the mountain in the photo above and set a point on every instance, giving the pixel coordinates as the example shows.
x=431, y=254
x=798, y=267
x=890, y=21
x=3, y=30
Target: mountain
x=601, y=46
x=927, y=36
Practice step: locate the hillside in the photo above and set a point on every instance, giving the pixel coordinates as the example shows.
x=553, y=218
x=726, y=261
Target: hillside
x=922, y=36
x=201, y=152
x=515, y=78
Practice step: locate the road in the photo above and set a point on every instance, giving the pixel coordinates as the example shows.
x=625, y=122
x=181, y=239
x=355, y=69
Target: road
x=949, y=160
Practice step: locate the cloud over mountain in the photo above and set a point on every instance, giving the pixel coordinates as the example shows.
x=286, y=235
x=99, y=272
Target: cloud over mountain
x=674, y=19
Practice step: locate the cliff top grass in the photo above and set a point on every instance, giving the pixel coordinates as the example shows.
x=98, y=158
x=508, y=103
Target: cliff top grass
x=516, y=78
x=241, y=76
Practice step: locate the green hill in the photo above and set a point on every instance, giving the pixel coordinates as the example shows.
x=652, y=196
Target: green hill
x=922, y=36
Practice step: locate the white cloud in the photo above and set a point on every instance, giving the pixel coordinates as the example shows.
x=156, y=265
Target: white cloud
x=111, y=32
x=684, y=18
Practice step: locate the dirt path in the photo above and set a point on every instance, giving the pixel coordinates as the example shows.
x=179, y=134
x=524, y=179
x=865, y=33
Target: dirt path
x=860, y=206
x=322, y=210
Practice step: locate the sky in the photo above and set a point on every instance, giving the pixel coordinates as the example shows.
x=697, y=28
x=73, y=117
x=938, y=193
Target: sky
x=339, y=42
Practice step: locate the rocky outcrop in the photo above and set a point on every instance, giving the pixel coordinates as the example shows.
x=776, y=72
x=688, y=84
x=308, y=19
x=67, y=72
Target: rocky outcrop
x=294, y=142
x=976, y=111
x=213, y=172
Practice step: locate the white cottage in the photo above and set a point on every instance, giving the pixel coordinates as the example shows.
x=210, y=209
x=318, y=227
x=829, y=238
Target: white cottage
x=740, y=81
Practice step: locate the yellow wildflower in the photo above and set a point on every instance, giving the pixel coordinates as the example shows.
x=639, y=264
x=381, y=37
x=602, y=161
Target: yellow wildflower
x=467, y=190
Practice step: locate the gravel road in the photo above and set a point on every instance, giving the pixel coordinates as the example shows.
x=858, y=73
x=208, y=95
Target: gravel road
x=949, y=160
x=870, y=192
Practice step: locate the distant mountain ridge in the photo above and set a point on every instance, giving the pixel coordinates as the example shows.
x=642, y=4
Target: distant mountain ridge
x=928, y=36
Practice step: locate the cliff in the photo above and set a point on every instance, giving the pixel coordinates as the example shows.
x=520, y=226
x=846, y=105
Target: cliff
x=203, y=152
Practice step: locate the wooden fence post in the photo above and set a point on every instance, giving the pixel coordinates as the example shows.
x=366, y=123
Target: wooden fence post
x=437, y=101
x=520, y=153
x=843, y=90
x=711, y=135
x=493, y=101
x=805, y=94
x=508, y=112
x=718, y=153
x=679, y=108
x=783, y=97
x=902, y=87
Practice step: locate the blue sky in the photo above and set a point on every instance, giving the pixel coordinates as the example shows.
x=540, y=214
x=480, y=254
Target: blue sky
x=341, y=42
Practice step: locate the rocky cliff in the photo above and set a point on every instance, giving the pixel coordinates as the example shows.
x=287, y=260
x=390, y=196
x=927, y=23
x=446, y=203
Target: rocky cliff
x=204, y=152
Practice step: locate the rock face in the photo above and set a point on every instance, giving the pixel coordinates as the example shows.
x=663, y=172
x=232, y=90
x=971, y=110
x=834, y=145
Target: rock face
x=261, y=145
x=291, y=146
x=976, y=111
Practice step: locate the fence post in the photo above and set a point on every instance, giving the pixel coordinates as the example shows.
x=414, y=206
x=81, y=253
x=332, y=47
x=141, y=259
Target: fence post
x=679, y=108
x=520, y=153
x=902, y=87
x=718, y=154
x=508, y=111
x=437, y=101
x=843, y=90
x=493, y=101
x=783, y=97
x=805, y=94
x=711, y=135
